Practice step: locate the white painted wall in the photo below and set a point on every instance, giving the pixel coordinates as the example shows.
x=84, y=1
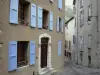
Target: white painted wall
x=69, y=33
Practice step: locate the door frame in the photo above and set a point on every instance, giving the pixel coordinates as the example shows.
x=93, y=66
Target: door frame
x=49, y=53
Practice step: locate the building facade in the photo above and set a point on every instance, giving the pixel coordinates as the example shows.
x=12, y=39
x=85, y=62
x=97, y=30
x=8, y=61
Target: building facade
x=31, y=36
x=69, y=38
x=87, y=32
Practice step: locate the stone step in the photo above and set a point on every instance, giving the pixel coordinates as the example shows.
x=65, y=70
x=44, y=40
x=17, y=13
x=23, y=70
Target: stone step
x=51, y=72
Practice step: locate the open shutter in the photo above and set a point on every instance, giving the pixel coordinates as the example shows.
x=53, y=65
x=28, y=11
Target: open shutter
x=62, y=25
x=60, y=4
x=33, y=15
x=57, y=24
x=14, y=11
x=12, y=56
x=40, y=17
x=32, y=52
x=51, y=21
x=59, y=48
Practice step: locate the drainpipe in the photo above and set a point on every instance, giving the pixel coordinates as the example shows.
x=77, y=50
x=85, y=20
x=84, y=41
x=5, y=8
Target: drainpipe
x=97, y=37
x=77, y=31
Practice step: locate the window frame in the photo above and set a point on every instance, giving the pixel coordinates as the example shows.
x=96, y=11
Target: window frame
x=89, y=12
x=82, y=18
x=81, y=3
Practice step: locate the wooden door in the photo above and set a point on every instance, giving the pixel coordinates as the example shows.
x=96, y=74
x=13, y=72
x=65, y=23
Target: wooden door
x=44, y=49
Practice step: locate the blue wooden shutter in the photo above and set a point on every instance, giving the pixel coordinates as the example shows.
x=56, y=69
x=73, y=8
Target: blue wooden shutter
x=12, y=56
x=59, y=48
x=32, y=52
x=62, y=25
x=40, y=17
x=60, y=4
x=57, y=24
x=33, y=15
x=51, y=21
x=14, y=11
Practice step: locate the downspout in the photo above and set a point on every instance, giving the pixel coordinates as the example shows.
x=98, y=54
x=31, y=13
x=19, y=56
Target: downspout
x=97, y=37
x=77, y=31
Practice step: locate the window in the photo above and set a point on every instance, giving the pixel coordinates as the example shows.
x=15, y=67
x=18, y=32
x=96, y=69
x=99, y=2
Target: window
x=81, y=56
x=75, y=22
x=66, y=44
x=23, y=12
x=81, y=18
x=81, y=3
x=89, y=40
x=45, y=19
x=89, y=12
x=74, y=39
x=80, y=42
x=59, y=24
x=74, y=10
x=69, y=44
x=22, y=47
x=18, y=54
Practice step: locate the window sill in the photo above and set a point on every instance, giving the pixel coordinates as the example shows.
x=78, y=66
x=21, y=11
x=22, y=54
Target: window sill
x=22, y=67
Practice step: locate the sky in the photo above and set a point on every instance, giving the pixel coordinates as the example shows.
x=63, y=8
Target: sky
x=68, y=2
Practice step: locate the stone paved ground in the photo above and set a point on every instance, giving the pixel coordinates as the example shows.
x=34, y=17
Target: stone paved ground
x=71, y=69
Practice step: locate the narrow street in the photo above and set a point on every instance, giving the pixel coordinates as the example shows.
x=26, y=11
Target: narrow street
x=71, y=69
x=68, y=70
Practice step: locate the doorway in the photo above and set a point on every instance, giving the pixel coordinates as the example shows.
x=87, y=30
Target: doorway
x=44, y=51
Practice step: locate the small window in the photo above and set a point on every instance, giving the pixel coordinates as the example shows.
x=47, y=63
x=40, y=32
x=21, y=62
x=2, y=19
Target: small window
x=89, y=12
x=69, y=44
x=66, y=44
x=22, y=49
x=45, y=19
x=74, y=10
x=75, y=22
x=23, y=12
x=81, y=56
x=81, y=42
x=81, y=18
x=81, y=3
x=74, y=39
x=59, y=24
x=89, y=40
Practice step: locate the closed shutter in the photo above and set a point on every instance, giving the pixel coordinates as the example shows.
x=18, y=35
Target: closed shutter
x=58, y=24
x=32, y=52
x=59, y=48
x=62, y=25
x=33, y=15
x=51, y=21
x=14, y=11
x=40, y=17
x=12, y=56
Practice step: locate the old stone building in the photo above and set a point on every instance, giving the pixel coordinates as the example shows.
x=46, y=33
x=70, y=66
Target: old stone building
x=31, y=36
x=87, y=32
